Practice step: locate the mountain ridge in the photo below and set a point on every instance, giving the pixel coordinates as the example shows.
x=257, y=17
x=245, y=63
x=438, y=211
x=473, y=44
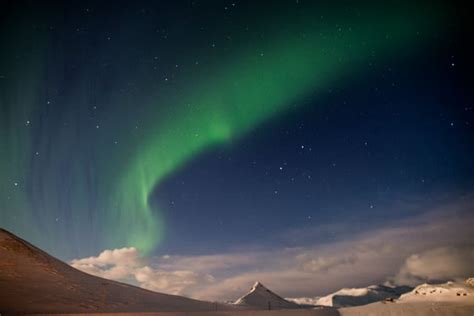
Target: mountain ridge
x=45, y=284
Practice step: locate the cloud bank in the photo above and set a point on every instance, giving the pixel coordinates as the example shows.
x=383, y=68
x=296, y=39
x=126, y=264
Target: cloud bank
x=126, y=265
x=442, y=263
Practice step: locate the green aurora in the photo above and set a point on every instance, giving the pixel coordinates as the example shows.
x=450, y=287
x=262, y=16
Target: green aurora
x=249, y=90
x=211, y=107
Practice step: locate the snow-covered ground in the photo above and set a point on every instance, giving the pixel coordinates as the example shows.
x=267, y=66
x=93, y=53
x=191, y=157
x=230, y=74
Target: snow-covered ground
x=451, y=298
x=355, y=296
x=446, y=292
x=33, y=281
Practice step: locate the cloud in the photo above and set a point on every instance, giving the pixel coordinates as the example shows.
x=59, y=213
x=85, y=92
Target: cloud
x=173, y=282
x=324, y=264
x=126, y=265
x=438, y=245
x=437, y=264
x=111, y=264
x=124, y=256
x=209, y=262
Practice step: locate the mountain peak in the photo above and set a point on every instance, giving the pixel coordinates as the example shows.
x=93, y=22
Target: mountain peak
x=261, y=297
x=30, y=277
x=257, y=285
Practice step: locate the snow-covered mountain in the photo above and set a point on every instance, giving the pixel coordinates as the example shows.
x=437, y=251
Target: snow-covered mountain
x=355, y=296
x=462, y=292
x=445, y=292
x=262, y=298
x=32, y=281
x=451, y=298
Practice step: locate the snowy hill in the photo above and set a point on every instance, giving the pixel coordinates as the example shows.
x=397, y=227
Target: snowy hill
x=451, y=298
x=33, y=281
x=445, y=292
x=262, y=298
x=356, y=296
x=470, y=282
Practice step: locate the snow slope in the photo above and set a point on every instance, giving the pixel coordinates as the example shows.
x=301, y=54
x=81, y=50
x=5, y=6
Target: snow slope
x=445, y=292
x=451, y=298
x=31, y=281
x=409, y=309
x=262, y=298
x=355, y=296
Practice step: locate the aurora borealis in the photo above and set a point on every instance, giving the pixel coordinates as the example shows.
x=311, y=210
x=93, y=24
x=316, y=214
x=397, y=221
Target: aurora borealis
x=102, y=108
x=237, y=96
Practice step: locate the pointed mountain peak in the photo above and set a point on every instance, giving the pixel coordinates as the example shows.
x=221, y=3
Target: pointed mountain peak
x=261, y=297
x=258, y=285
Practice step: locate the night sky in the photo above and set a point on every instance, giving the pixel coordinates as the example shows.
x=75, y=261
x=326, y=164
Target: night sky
x=202, y=127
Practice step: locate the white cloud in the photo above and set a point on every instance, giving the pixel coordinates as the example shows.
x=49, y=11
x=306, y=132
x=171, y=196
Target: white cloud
x=173, y=282
x=444, y=263
x=209, y=262
x=111, y=264
x=324, y=264
x=126, y=265
x=123, y=257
